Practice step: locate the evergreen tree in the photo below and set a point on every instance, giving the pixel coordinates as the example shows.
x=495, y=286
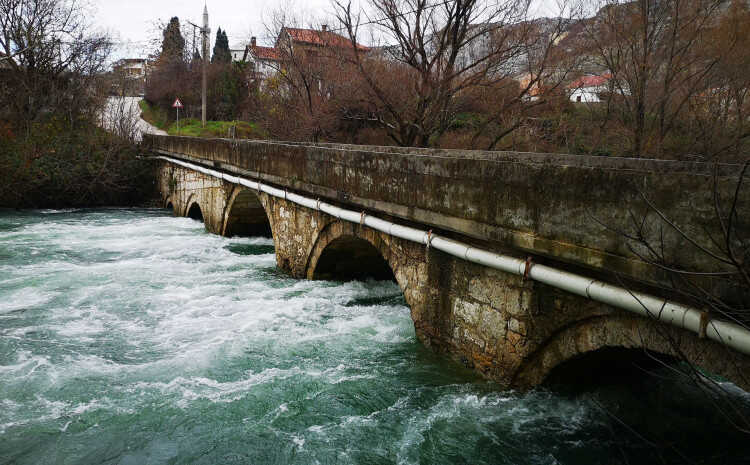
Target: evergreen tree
x=173, y=45
x=229, y=87
x=221, y=48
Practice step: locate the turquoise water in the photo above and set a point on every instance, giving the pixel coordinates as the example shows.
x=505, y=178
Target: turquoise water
x=133, y=337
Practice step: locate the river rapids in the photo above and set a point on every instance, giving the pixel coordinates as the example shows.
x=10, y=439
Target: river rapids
x=129, y=336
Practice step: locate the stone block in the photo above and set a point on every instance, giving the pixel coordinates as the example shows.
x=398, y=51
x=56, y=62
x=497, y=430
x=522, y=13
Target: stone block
x=517, y=326
x=467, y=311
x=520, y=303
x=513, y=341
x=493, y=323
x=471, y=337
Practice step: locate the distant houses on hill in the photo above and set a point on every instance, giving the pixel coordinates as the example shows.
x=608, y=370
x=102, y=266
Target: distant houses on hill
x=292, y=44
x=129, y=76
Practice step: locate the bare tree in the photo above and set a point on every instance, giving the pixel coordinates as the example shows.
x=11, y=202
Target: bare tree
x=298, y=101
x=446, y=49
x=56, y=59
x=654, y=53
x=717, y=117
x=52, y=152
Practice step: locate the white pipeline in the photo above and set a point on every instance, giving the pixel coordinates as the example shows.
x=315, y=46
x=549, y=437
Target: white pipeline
x=689, y=318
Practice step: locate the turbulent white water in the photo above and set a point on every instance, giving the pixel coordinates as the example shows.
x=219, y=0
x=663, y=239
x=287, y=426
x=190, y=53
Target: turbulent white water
x=130, y=336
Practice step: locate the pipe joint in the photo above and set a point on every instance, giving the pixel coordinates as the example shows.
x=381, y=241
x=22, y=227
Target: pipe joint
x=527, y=267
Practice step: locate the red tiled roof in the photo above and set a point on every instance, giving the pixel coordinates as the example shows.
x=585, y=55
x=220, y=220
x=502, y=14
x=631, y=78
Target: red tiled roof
x=323, y=38
x=265, y=53
x=589, y=81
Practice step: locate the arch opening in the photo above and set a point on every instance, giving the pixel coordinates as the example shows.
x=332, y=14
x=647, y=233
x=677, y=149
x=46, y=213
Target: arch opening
x=605, y=347
x=351, y=258
x=195, y=212
x=653, y=394
x=609, y=366
x=247, y=217
x=170, y=206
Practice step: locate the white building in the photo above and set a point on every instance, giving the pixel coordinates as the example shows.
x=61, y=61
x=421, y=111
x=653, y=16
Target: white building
x=264, y=61
x=238, y=53
x=130, y=76
x=589, y=89
x=132, y=67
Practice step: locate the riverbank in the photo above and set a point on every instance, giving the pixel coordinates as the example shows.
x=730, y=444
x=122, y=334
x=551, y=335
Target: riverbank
x=56, y=165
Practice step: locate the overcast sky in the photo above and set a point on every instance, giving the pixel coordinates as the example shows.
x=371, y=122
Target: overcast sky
x=131, y=22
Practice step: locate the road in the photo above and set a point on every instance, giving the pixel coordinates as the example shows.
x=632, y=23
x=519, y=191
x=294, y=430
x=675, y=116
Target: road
x=123, y=115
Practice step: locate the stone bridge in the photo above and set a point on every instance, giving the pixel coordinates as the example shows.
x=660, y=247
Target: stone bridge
x=558, y=210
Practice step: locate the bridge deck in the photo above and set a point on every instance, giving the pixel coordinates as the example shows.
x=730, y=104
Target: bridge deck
x=564, y=207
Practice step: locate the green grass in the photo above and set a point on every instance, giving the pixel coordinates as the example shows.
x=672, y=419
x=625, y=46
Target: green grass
x=154, y=115
x=192, y=127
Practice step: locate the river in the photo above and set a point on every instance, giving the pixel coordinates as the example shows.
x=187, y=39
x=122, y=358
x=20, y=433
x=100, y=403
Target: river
x=129, y=336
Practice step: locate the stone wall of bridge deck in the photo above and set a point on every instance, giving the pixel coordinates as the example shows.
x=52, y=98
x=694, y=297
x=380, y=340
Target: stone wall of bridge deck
x=552, y=205
x=511, y=330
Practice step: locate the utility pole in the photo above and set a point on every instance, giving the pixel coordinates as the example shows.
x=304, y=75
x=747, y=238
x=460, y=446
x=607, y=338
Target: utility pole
x=205, y=35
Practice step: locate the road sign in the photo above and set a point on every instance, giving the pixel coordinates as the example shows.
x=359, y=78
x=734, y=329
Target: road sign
x=177, y=105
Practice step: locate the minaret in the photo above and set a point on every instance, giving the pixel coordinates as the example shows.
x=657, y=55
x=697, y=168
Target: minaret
x=205, y=32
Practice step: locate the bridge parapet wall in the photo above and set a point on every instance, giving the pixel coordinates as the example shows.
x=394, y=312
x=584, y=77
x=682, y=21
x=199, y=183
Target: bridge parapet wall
x=512, y=330
x=557, y=206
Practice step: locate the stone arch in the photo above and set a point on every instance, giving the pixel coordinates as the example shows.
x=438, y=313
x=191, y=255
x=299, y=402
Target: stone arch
x=629, y=332
x=194, y=210
x=186, y=206
x=246, y=215
x=355, y=246
x=168, y=203
x=408, y=265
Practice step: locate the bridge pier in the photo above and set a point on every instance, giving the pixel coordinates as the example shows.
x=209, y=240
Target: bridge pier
x=511, y=330
x=189, y=191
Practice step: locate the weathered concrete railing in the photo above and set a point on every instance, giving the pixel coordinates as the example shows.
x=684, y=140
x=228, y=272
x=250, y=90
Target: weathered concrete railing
x=454, y=229
x=558, y=206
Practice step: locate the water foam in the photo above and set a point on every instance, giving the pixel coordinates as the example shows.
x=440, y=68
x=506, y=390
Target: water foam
x=141, y=332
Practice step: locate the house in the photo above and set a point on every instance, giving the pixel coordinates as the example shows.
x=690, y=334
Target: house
x=312, y=38
x=302, y=44
x=318, y=55
x=263, y=61
x=589, y=89
x=130, y=74
x=134, y=68
x=238, y=53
